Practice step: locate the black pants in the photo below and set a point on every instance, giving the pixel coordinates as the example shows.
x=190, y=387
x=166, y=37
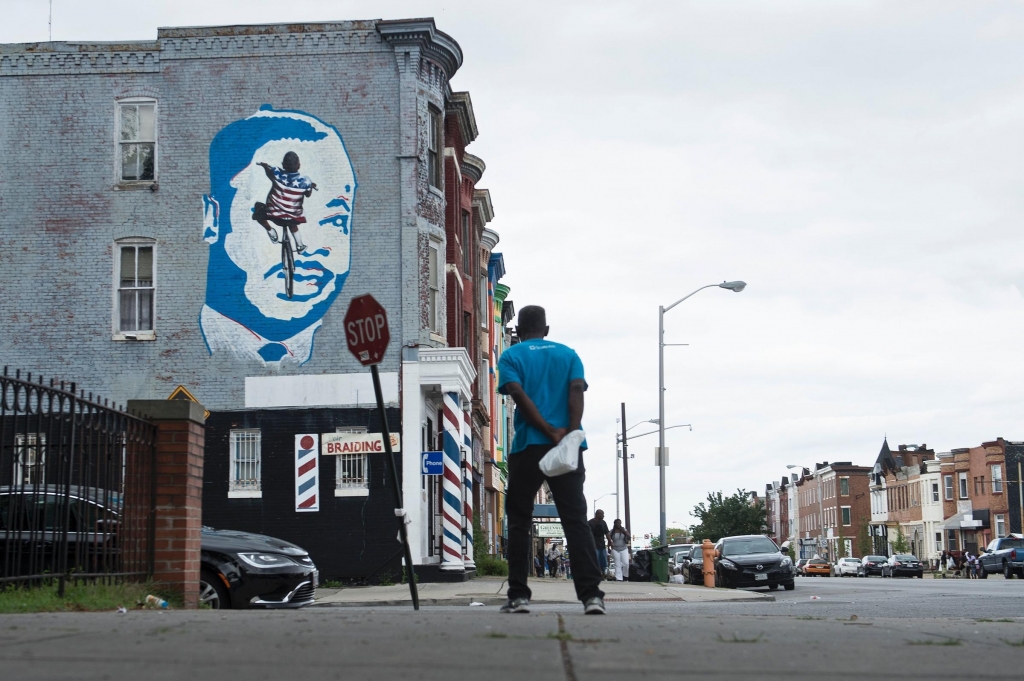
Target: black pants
x=524, y=479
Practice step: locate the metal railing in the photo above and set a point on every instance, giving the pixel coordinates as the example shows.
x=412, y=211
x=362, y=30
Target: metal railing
x=77, y=485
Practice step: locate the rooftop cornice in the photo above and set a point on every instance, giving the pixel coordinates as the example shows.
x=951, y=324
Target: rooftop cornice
x=482, y=202
x=460, y=104
x=434, y=44
x=500, y=293
x=64, y=58
x=473, y=167
x=489, y=239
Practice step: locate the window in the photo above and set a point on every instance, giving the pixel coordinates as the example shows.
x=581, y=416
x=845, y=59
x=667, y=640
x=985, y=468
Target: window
x=136, y=286
x=938, y=541
x=997, y=479
x=949, y=487
x=245, y=464
x=352, y=471
x=844, y=487
x=467, y=330
x=30, y=459
x=963, y=485
x=467, y=252
x=485, y=308
x=951, y=544
x=1000, y=525
x=136, y=140
x=979, y=485
x=935, y=491
x=846, y=515
x=434, y=294
x=434, y=136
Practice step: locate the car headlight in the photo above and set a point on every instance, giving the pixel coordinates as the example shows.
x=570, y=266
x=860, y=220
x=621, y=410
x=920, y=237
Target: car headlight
x=727, y=564
x=265, y=560
x=786, y=560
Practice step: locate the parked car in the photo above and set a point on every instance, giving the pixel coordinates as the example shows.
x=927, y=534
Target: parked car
x=817, y=567
x=799, y=567
x=237, y=569
x=1004, y=555
x=694, y=573
x=677, y=553
x=751, y=561
x=846, y=566
x=871, y=565
x=903, y=565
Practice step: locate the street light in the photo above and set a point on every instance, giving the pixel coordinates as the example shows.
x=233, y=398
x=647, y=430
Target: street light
x=610, y=494
x=735, y=287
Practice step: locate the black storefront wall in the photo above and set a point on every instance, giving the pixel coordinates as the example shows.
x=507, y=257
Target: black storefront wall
x=1014, y=458
x=349, y=538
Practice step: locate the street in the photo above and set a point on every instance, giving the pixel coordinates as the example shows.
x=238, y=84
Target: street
x=901, y=628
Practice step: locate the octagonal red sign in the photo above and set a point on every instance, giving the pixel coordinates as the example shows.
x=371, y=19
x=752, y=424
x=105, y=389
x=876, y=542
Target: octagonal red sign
x=366, y=330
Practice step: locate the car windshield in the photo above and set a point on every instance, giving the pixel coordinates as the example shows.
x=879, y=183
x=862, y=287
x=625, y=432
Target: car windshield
x=905, y=556
x=874, y=558
x=745, y=547
x=818, y=561
x=852, y=560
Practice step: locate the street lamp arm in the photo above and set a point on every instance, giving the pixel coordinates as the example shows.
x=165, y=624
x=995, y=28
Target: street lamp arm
x=685, y=297
x=652, y=432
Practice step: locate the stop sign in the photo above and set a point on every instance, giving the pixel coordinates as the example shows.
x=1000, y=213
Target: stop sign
x=366, y=330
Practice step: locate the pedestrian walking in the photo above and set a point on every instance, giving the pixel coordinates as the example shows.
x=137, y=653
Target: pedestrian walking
x=951, y=565
x=619, y=541
x=538, y=569
x=554, y=557
x=546, y=381
x=942, y=564
x=600, y=530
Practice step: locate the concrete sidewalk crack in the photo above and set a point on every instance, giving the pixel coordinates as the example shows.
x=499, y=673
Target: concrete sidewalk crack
x=563, y=644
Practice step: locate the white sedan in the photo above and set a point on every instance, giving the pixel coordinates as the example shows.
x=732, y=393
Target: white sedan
x=846, y=566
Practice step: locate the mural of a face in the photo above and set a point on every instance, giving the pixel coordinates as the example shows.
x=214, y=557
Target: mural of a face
x=245, y=278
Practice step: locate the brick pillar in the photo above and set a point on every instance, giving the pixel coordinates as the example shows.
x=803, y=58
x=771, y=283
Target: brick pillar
x=181, y=436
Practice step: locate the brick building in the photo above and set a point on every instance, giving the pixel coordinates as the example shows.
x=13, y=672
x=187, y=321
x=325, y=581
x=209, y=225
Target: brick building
x=914, y=509
x=161, y=178
x=974, y=495
x=834, y=505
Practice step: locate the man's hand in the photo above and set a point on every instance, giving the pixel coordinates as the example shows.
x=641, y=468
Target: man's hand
x=557, y=434
x=265, y=165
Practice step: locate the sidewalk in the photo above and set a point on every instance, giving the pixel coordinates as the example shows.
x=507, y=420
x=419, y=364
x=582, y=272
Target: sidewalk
x=491, y=591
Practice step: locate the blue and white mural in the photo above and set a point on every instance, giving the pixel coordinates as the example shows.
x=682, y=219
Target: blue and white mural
x=278, y=221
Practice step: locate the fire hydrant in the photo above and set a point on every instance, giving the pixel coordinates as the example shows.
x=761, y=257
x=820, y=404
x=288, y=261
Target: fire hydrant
x=708, y=551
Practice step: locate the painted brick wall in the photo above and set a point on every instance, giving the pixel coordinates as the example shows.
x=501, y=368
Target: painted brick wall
x=60, y=211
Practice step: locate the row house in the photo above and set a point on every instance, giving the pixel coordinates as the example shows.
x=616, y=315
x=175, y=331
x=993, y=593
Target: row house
x=169, y=166
x=834, y=503
x=906, y=502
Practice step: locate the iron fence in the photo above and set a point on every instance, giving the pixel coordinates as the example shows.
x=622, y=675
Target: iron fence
x=77, y=485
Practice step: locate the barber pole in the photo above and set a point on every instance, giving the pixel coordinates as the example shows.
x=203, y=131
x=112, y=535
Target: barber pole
x=451, y=544
x=307, y=472
x=467, y=487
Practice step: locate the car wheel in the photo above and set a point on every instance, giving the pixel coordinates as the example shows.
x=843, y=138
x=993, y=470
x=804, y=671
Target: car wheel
x=1007, y=572
x=983, y=573
x=789, y=586
x=773, y=587
x=212, y=593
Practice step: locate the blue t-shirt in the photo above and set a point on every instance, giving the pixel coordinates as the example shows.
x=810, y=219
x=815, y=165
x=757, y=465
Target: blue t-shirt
x=544, y=369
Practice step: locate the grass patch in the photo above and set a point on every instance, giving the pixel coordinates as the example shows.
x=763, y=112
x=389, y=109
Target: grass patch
x=332, y=584
x=808, y=617
x=736, y=638
x=1015, y=644
x=495, y=634
x=491, y=566
x=1003, y=619
x=78, y=597
x=936, y=642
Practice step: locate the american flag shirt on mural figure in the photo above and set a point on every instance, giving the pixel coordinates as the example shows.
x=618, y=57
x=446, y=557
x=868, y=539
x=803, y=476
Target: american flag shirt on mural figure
x=307, y=472
x=285, y=199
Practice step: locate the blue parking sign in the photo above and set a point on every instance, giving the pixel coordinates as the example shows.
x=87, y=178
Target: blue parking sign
x=432, y=463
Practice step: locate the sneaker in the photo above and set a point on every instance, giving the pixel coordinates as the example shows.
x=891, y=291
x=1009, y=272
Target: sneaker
x=518, y=605
x=272, y=233
x=594, y=606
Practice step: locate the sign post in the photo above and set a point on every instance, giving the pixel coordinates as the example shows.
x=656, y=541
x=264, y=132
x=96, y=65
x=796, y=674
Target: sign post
x=366, y=331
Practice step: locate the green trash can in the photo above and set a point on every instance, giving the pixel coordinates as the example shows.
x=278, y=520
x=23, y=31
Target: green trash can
x=659, y=564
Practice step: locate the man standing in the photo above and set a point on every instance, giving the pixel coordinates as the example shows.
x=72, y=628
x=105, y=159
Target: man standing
x=546, y=381
x=599, y=528
x=619, y=541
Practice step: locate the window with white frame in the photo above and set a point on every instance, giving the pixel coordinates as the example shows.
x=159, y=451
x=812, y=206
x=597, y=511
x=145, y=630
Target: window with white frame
x=935, y=491
x=434, y=156
x=434, y=287
x=963, y=485
x=846, y=515
x=1000, y=525
x=486, y=313
x=948, y=480
x=136, y=285
x=844, y=487
x=938, y=541
x=351, y=472
x=997, y=479
x=29, y=459
x=136, y=140
x=246, y=458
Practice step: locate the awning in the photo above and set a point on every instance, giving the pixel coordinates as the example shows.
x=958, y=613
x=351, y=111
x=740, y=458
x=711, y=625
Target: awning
x=968, y=520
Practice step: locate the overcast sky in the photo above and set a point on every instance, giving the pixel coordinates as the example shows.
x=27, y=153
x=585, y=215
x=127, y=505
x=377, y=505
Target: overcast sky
x=857, y=163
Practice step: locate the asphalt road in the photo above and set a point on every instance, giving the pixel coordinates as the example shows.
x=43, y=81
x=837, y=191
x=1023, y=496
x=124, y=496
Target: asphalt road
x=893, y=629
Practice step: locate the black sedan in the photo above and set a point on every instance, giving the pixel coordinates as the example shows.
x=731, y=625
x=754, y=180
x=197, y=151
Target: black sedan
x=903, y=565
x=752, y=561
x=243, y=570
x=871, y=565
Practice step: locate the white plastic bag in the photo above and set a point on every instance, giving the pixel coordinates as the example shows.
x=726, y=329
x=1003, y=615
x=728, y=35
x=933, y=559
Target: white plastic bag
x=564, y=457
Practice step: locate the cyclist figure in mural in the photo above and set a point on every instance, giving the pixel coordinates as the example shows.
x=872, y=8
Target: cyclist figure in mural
x=284, y=202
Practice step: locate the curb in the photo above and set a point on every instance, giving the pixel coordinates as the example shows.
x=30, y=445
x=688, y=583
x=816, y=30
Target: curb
x=490, y=601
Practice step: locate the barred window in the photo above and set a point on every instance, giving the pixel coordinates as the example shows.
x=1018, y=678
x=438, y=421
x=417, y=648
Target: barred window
x=352, y=472
x=136, y=286
x=245, y=463
x=29, y=459
x=136, y=140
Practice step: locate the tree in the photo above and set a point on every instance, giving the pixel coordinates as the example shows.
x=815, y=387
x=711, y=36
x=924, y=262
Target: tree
x=676, y=535
x=725, y=516
x=864, y=538
x=900, y=543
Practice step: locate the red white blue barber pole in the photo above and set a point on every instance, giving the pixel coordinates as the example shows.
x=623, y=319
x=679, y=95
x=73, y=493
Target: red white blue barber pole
x=451, y=493
x=467, y=491
x=307, y=472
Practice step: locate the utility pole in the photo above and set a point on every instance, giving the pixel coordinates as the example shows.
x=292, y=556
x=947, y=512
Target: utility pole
x=625, y=469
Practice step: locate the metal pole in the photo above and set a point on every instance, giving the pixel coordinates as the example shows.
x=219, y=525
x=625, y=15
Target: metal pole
x=625, y=470
x=396, y=486
x=1020, y=493
x=661, y=418
x=617, y=495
